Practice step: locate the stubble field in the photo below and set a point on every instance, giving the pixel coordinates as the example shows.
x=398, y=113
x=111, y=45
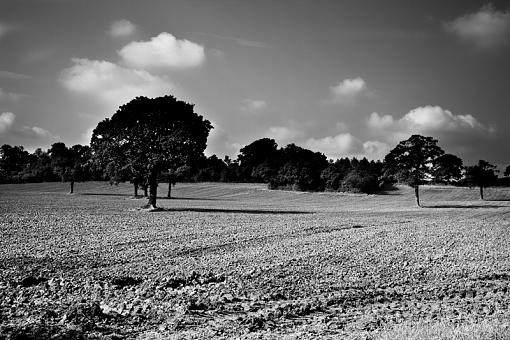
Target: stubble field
x=240, y=261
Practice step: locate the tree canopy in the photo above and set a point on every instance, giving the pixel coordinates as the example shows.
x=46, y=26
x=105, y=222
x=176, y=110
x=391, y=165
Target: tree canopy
x=412, y=159
x=481, y=175
x=150, y=135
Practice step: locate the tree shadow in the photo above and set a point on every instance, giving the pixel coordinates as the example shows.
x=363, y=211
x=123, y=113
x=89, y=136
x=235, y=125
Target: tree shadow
x=193, y=199
x=459, y=206
x=235, y=211
x=498, y=200
x=109, y=194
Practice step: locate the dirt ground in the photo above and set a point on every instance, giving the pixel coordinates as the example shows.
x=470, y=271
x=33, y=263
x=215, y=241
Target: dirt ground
x=241, y=261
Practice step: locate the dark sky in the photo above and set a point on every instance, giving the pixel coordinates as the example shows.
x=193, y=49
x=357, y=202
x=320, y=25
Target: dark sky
x=347, y=78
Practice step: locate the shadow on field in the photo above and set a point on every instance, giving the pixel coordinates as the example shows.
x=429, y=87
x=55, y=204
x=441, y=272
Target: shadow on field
x=459, y=206
x=193, y=199
x=109, y=194
x=235, y=211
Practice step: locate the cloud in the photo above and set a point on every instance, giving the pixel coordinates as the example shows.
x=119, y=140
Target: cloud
x=36, y=132
x=375, y=149
x=427, y=119
x=485, y=28
x=334, y=147
x=283, y=135
x=460, y=133
x=253, y=105
x=13, y=75
x=111, y=83
x=6, y=121
x=376, y=121
x=9, y=96
x=122, y=28
x=347, y=91
x=162, y=51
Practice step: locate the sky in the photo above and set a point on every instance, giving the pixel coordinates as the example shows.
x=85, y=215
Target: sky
x=342, y=77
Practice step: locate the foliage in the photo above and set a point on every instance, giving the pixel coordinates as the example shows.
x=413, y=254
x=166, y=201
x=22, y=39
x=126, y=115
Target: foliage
x=481, y=175
x=412, y=159
x=447, y=169
x=148, y=136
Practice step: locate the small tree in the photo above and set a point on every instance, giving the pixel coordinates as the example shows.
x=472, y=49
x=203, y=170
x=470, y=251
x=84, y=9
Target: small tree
x=411, y=161
x=70, y=164
x=481, y=175
x=447, y=169
x=507, y=171
x=150, y=136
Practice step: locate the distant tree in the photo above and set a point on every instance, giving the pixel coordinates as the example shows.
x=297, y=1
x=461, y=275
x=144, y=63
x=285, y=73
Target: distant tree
x=169, y=177
x=13, y=160
x=150, y=136
x=263, y=150
x=301, y=169
x=507, y=171
x=411, y=161
x=447, y=168
x=481, y=175
x=70, y=164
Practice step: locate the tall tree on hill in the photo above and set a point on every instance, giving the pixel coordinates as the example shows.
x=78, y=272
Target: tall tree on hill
x=447, y=168
x=152, y=135
x=411, y=161
x=481, y=175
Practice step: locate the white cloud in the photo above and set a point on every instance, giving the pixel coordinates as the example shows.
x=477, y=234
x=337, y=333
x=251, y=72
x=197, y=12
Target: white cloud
x=253, y=105
x=9, y=95
x=427, y=119
x=375, y=149
x=334, y=147
x=122, y=28
x=485, y=28
x=283, y=135
x=377, y=121
x=347, y=91
x=6, y=120
x=36, y=132
x=162, y=51
x=111, y=83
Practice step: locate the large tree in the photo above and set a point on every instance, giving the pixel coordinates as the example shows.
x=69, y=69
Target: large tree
x=151, y=135
x=447, y=169
x=411, y=161
x=481, y=175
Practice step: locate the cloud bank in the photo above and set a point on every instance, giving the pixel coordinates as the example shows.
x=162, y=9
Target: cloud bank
x=162, y=51
x=485, y=28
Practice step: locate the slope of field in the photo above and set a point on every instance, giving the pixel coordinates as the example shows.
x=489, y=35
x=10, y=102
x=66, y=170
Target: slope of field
x=238, y=260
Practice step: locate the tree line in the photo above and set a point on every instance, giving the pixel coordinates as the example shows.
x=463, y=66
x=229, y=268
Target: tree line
x=149, y=141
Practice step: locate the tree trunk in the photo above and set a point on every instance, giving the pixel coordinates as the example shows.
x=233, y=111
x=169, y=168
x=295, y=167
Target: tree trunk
x=417, y=194
x=169, y=195
x=145, y=191
x=481, y=192
x=72, y=187
x=153, y=192
x=135, y=186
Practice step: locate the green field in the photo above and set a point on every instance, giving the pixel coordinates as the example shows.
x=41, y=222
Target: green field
x=238, y=260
